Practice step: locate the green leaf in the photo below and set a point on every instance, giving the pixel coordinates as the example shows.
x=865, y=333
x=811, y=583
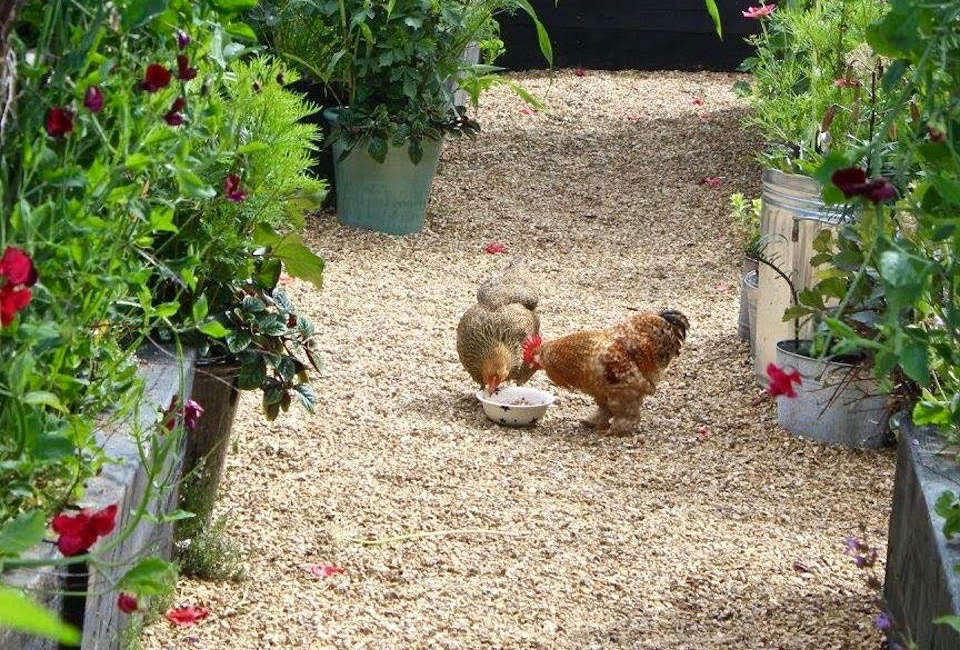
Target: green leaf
x=200, y=308
x=300, y=261
x=45, y=398
x=945, y=503
x=543, y=39
x=715, y=16
x=914, y=359
x=214, y=329
x=242, y=30
x=166, y=309
x=151, y=576
x=23, y=533
x=137, y=161
x=234, y=5
x=17, y=612
x=161, y=219
x=377, y=148
x=950, y=619
x=194, y=186
x=896, y=268
x=253, y=371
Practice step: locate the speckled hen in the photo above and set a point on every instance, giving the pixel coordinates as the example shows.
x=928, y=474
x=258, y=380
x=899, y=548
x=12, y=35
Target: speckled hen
x=617, y=367
x=490, y=334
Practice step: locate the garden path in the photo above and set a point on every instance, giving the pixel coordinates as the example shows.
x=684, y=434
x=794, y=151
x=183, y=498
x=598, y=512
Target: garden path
x=710, y=528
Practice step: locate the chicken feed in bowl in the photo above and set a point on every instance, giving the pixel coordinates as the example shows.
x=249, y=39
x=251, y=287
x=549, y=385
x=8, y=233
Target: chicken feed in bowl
x=515, y=406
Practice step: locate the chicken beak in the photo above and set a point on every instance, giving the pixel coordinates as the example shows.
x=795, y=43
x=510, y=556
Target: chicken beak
x=492, y=385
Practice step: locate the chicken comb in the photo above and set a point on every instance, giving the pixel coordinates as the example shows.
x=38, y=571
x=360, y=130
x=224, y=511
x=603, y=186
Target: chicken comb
x=530, y=346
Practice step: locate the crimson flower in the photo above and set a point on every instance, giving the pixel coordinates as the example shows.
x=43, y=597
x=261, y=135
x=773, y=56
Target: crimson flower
x=191, y=414
x=127, y=603
x=232, y=189
x=781, y=382
x=184, y=71
x=186, y=615
x=93, y=99
x=846, y=82
x=936, y=135
x=852, y=181
x=79, y=532
x=326, y=570
x=59, y=122
x=174, y=117
x=580, y=72
x=183, y=39
x=155, y=78
x=16, y=269
x=494, y=248
x=759, y=12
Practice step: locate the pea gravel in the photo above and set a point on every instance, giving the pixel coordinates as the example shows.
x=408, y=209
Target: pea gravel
x=709, y=528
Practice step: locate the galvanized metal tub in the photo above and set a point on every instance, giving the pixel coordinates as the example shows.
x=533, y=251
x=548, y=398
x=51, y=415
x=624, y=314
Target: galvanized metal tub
x=743, y=319
x=792, y=214
x=837, y=403
x=748, y=303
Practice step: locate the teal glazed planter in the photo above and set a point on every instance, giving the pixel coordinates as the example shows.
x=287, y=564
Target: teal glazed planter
x=391, y=196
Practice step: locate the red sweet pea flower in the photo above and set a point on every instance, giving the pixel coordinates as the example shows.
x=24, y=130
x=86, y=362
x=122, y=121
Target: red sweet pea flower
x=93, y=99
x=79, y=532
x=59, y=122
x=852, y=181
x=184, y=71
x=759, y=12
x=174, y=117
x=494, y=248
x=155, y=78
x=846, y=83
x=127, y=603
x=781, y=382
x=17, y=275
x=325, y=570
x=186, y=615
x=232, y=189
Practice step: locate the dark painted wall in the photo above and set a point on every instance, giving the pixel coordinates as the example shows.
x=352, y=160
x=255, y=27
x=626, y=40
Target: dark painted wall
x=629, y=34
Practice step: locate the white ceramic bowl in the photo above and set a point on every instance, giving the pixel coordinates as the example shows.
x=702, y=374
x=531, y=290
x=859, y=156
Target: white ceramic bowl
x=503, y=408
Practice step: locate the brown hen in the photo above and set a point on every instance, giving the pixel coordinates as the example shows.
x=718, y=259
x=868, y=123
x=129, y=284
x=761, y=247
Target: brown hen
x=617, y=367
x=490, y=334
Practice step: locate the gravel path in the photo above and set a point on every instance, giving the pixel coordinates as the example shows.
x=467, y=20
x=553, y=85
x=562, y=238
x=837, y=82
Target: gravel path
x=710, y=528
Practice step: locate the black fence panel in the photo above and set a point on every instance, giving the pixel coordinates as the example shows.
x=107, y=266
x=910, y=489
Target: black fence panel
x=630, y=34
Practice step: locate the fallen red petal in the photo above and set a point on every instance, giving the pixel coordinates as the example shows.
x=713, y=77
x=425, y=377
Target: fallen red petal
x=494, y=248
x=184, y=616
x=325, y=570
x=698, y=101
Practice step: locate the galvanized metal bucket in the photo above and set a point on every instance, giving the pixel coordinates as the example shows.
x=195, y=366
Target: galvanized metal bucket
x=748, y=304
x=791, y=217
x=836, y=403
x=743, y=319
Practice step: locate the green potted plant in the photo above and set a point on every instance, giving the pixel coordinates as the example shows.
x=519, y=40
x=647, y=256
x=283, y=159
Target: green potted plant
x=815, y=89
x=390, y=67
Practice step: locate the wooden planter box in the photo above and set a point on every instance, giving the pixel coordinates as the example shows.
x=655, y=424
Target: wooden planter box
x=122, y=483
x=921, y=583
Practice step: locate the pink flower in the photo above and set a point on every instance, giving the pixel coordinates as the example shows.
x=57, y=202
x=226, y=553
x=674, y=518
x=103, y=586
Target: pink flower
x=155, y=78
x=580, y=72
x=59, y=122
x=184, y=616
x=184, y=71
x=325, y=570
x=93, y=99
x=127, y=603
x=852, y=181
x=698, y=101
x=845, y=82
x=781, y=382
x=232, y=189
x=79, y=532
x=494, y=248
x=191, y=414
x=759, y=12
x=712, y=181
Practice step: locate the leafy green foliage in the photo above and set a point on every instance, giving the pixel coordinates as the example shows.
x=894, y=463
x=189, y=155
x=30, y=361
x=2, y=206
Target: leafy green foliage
x=798, y=105
x=213, y=554
x=948, y=507
x=391, y=64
